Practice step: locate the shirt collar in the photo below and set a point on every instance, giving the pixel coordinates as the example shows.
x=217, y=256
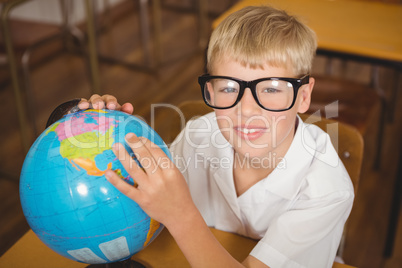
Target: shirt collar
x=287, y=178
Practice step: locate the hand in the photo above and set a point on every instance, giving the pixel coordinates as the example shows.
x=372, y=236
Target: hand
x=163, y=194
x=105, y=101
x=161, y=191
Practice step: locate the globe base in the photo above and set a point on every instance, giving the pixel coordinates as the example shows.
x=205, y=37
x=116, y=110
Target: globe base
x=121, y=264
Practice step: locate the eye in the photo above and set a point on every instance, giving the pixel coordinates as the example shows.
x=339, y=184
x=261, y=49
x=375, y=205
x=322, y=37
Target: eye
x=229, y=90
x=228, y=86
x=270, y=90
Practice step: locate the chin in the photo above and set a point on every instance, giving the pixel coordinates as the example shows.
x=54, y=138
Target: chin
x=252, y=149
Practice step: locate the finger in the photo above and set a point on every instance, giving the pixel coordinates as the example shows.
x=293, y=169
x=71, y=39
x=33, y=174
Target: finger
x=129, y=164
x=127, y=108
x=162, y=160
x=142, y=153
x=97, y=102
x=111, y=102
x=125, y=188
x=83, y=104
x=93, y=97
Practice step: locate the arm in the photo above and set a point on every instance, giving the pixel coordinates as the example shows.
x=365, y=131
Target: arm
x=163, y=194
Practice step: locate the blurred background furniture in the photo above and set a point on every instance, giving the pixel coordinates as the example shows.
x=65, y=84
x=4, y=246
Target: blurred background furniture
x=352, y=103
x=151, y=38
x=151, y=30
x=150, y=58
x=18, y=60
x=6, y=7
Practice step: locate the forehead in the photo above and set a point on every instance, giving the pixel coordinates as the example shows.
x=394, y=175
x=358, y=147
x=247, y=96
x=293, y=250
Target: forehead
x=227, y=66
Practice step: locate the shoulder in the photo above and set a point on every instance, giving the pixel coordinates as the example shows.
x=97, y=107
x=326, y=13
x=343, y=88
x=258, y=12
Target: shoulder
x=200, y=137
x=326, y=174
x=199, y=133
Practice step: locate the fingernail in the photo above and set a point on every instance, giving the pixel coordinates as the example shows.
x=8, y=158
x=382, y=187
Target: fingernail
x=97, y=105
x=111, y=106
x=115, y=147
x=108, y=174
x=130, y=136
x=83, y=105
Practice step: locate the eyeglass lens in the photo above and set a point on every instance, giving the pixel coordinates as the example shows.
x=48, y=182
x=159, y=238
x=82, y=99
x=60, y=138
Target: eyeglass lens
x=272, y=94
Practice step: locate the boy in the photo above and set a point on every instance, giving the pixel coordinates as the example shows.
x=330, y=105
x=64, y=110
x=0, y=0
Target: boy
x=252, y=167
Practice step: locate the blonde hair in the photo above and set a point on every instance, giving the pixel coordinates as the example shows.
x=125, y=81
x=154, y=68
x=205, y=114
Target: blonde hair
x=258, y=35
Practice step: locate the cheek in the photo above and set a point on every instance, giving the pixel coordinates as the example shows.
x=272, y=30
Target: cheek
x=223, y=118
x=226, y=121
x=225, y=115
x=282, y=125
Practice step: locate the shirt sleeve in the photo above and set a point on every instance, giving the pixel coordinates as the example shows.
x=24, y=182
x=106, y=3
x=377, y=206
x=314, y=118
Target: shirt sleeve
x=308, y=235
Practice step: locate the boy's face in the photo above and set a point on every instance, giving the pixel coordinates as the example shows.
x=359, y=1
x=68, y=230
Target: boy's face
x=252, y=131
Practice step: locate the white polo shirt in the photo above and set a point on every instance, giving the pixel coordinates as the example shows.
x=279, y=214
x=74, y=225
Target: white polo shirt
x=297, y=212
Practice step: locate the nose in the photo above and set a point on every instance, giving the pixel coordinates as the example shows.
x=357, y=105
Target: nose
x=248, y=105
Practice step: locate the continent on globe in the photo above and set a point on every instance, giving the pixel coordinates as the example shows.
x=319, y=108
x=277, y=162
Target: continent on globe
x=102, y=139
x=66, y=198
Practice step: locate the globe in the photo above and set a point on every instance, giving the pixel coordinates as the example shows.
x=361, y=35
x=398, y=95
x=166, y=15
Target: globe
x=66, y=198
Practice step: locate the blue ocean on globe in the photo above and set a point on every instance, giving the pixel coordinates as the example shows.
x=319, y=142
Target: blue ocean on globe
x=66, y=198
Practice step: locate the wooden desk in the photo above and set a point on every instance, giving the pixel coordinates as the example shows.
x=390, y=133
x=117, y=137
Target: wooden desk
x=372, y=30
x=30, y=252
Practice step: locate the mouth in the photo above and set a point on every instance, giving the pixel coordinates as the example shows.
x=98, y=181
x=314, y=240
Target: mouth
x=250, y=133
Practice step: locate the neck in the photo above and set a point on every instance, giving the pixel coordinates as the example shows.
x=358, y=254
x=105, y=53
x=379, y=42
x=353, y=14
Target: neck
x=248, y=170
x=259, y=164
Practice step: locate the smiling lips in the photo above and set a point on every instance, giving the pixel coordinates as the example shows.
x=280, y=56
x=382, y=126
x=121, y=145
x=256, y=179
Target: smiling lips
x=250, y=133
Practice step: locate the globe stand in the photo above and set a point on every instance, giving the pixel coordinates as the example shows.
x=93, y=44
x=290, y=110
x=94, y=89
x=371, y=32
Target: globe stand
x=128, y=263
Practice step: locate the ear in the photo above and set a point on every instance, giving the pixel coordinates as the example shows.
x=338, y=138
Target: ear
x=305, y=96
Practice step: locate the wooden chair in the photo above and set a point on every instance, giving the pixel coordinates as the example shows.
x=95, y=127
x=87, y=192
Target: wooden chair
x=354, y=104
x=346, y=139
x=19, y=65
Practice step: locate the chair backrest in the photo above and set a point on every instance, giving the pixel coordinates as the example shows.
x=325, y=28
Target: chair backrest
x=346, y=139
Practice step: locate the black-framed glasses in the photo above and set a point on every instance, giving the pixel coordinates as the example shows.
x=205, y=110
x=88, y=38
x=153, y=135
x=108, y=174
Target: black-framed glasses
x=274, y=94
